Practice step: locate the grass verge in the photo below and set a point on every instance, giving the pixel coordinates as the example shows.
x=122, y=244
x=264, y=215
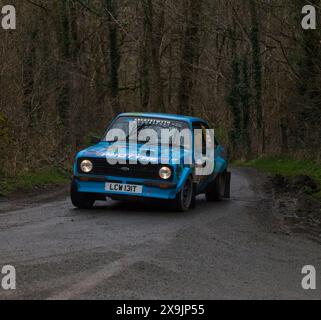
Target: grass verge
x=288, y=168
x=31, y=180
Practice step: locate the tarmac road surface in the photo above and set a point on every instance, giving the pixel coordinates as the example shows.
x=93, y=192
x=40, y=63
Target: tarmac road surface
x=226, y=250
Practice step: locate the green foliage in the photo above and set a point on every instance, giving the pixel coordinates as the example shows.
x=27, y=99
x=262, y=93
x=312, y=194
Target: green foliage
x=30, y=180
x=289, y=168
x=239, y=101
x=286, y=166
x=309, y=99
x=245, y=91
x=88, y=138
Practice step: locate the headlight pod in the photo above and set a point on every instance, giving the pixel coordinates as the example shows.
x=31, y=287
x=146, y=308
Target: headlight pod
x=165, y=173
x=86, y=166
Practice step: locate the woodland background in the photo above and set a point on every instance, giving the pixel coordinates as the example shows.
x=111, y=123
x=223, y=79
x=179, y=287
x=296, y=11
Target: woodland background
x=246, y=66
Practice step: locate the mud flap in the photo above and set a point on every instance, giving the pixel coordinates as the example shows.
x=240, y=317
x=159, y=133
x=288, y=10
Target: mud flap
x=227, y=191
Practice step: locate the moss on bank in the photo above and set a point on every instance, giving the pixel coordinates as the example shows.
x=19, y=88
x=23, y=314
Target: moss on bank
x=288, y=168
x=31, y=180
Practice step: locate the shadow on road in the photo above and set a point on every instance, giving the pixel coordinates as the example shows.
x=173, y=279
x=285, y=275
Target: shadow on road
x=150, y=208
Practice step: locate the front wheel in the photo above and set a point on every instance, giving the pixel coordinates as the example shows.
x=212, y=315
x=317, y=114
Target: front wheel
x=185, y=199
x=80, y=200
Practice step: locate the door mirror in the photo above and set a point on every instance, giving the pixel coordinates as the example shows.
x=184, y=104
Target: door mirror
x=219, y=150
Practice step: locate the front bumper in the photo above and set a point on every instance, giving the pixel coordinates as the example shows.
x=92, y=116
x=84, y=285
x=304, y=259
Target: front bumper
x=151, y=188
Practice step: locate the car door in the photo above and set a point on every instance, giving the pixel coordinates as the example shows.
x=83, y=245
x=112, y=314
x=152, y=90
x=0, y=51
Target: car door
x=203, y=180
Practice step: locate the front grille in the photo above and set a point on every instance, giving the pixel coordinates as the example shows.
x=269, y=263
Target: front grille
x=138, y=171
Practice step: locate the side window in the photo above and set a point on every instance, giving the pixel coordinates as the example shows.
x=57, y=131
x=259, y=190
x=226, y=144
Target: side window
x=204, y=142
x=196, y=126
x=203, y=127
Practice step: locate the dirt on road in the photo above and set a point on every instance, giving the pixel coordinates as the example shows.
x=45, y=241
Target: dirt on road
x=234, y=249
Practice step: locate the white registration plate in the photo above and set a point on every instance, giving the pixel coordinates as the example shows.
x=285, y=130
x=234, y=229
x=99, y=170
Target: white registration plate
x=123, y=188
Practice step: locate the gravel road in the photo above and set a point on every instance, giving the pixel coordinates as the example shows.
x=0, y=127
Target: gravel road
x=226, y=250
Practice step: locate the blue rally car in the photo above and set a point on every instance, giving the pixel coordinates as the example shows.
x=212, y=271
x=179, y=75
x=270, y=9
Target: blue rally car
x=98, y=176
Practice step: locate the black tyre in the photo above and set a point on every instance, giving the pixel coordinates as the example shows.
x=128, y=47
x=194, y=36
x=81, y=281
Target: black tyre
x=193, y=202
x=185, y=198
x=80, y=200
x=215, y=191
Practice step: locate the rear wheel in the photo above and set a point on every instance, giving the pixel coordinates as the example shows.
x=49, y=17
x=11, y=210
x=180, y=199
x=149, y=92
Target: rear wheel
x=80, y=200
x=185, y=198
x=215, y=191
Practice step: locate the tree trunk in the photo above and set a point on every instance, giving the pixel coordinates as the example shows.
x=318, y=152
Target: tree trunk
x=114, y=54
x=190, y=54
x=154, y=29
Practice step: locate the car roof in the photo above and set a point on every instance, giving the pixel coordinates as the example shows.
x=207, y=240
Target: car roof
x=164, y=116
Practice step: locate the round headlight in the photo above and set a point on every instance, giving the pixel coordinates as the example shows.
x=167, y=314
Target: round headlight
x=165, y=173
x=86, y=166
